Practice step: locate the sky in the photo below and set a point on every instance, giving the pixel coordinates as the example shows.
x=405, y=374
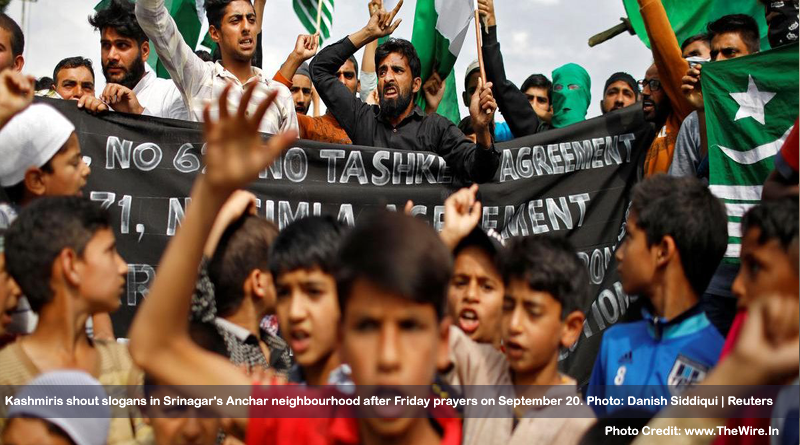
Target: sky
x=536, y=36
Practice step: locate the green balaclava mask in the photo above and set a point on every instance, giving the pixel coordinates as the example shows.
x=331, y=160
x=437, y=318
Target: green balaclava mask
x=572, y=94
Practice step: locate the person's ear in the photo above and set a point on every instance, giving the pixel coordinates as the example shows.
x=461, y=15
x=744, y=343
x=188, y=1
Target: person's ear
x=145, y=50
x=571, y=328
x=358, y=86
x=67, y=266
x=214, y=33
x=417, y=85
x=34, y=181
x=665, y=250
x=602, y=107
x=465, y=98
x=19, y=62
x=443, y=348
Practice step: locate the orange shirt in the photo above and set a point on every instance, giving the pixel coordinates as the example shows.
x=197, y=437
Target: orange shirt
x=323, y=129
x=671, y=69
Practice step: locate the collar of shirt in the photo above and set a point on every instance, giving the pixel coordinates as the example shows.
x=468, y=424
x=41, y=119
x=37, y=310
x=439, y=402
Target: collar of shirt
x=416, y=114
x=690, y=321
x=241, y=333
x=220, y=71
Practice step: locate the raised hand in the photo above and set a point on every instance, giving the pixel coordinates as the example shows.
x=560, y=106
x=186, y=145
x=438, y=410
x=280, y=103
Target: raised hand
x=690, y=86
x=462, y=212
x=235, y=153
x=434, y=92
x=482, y=107
x=16, y=93
x=380, y=22
x=306, y=46
x=486, y=11
x=121, y=99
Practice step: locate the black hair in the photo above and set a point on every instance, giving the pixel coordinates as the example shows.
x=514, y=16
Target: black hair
x=215, y=11
x=243, y=247
x=52, y=428
x=702, y=37
x=741, y=24
x=17, y=37
x=120, y=16
x=307, y=243
x=44, y=83
x=404, y=48
x=399, y=254
x=43, y=229
x=466, y=126
x=548, y=264
x=538, y=81
x=777, y=220
x=204, y=55
x=684, y=209
x=73, y=62
x=355, y=64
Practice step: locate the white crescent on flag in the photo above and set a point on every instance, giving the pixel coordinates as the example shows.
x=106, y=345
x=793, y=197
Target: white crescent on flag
x=756, y=154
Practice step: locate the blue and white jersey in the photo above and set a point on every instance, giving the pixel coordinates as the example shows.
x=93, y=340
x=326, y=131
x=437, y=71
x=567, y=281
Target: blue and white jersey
x=653, y=359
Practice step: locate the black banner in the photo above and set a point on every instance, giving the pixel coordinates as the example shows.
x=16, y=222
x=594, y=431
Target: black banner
x=573, y=181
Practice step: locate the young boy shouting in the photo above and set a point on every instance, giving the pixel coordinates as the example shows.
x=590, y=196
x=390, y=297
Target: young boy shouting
x=671, y=248
x=393, y=330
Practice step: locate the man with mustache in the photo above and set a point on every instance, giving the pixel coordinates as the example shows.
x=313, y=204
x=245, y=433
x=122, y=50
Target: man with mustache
x=399, y=123
x=131, y=85
x=234, y=26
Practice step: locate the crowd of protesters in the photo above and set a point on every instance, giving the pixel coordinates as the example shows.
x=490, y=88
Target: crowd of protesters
x=389, y=304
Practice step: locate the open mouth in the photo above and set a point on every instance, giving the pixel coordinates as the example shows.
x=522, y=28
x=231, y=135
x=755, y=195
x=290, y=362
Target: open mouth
x=299, y=340
x=246, y=43
x=514, y=350
x=468, y=321
x=648, y=105
x=390, y=91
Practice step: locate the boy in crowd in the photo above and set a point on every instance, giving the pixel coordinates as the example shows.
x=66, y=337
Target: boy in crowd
x=40, y=160
x=545, y=288
x=235, y=290
x=393, y=329
x=303, y=261
x=672, y=246
x=68, y=271
x=475, y=299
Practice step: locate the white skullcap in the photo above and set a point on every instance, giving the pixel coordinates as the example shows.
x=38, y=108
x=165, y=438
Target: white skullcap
x=30, y=139
x=85, y=425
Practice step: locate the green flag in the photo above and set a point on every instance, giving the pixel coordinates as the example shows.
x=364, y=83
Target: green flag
x=751, y=104
x=690, y=17
x=188, y=18
x=306, y=11
x=438, y=36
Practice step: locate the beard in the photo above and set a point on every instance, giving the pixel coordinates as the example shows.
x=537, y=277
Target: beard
x=393, y=108
x=133, y=74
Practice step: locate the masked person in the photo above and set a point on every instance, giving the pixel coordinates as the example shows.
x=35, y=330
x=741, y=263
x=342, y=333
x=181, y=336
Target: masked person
x=571, y=94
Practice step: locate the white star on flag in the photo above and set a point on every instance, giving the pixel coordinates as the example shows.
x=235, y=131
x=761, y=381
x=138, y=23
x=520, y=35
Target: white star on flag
x=752, y=102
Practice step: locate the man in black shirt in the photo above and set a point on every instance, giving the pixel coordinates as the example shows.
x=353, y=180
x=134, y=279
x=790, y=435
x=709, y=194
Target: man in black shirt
x=398, y=122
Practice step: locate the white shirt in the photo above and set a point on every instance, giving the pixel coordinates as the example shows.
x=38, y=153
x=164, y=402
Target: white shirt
x=160, y=97
x=202, y=82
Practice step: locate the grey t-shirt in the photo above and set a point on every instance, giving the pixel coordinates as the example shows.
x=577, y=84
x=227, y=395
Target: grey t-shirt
x=686, y=156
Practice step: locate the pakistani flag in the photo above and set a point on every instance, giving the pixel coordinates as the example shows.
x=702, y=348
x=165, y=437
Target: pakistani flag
x=689, y=17
x=751, y=104
x=440, y=28
x=190, y=16
x=306, y=11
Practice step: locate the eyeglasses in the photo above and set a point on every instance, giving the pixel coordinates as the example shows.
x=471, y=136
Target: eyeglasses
x=654, y=84
x=572, y=86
